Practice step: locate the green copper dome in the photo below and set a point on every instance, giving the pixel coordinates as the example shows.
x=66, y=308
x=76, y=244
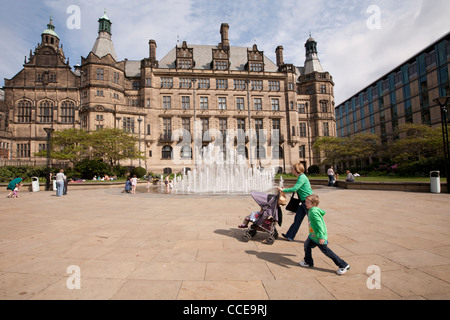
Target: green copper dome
x=50, y=29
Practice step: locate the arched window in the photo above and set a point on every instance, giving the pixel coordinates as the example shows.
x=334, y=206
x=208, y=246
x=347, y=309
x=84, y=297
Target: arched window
x=46, y=111
x=24, y=111
x=260, y=152
x=67, y=112
x=186, y=152
x=277, y=152
x=167, y=153
x=242, y=151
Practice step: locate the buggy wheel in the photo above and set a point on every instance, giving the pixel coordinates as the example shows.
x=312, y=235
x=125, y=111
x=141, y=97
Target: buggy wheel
x=270, y=240
x=275, y=234
x=252, y=233
x=246, y=237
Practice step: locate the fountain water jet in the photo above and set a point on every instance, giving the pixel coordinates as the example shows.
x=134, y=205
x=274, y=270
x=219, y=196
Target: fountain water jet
x=215, y=173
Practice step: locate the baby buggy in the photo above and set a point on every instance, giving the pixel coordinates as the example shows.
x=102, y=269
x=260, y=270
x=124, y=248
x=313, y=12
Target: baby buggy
x=267, y=218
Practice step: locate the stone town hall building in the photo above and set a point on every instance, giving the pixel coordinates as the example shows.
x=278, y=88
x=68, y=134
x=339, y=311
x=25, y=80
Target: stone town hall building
x=153, y=98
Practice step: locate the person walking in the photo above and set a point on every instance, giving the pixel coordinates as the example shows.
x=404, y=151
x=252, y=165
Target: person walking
x=318, y=237
x=303, y=189
x=12, y=185
x=331, y=176
x=60, y=177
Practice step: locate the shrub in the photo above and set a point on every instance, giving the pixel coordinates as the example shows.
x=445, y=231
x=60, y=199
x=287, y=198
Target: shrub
x=314, y=169
x=87, y=168
x=138, y=171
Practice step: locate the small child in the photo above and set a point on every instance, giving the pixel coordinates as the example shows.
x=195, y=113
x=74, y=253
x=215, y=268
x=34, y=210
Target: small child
x=318, y=237
x=16, y=190
x=252, y=217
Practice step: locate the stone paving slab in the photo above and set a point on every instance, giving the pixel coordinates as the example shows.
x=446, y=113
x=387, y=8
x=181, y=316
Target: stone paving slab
x=180, y=247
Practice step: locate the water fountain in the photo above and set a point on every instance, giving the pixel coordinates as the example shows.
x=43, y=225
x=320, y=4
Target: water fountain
x=217, y=174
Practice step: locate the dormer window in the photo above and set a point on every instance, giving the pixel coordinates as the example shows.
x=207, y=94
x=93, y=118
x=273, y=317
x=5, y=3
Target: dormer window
x=220, y=65
x=256, y=66
x=255, y=60
x=185, y=57
x=184, y=64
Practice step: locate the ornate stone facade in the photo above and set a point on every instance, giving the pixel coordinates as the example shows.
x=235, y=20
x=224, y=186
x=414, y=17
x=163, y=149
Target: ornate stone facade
x=214, y=86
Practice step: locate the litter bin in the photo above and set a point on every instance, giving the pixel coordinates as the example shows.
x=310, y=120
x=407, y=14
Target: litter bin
x=34, y=184
x=435, y=177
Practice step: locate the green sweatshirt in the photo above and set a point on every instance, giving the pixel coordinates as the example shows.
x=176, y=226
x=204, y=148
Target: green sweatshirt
x=317, y=227
x=302, y=187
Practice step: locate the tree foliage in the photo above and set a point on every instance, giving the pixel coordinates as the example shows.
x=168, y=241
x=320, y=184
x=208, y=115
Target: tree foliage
x=418, y=143
x=110, y=145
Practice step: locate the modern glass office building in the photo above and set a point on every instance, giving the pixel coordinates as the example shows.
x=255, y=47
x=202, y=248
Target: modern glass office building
x=404, y=95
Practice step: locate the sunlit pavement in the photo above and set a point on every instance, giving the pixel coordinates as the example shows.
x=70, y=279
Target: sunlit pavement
x=102, y=244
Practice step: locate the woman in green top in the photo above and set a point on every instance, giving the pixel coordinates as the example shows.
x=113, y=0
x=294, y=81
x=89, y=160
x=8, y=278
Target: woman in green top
x=303, y=189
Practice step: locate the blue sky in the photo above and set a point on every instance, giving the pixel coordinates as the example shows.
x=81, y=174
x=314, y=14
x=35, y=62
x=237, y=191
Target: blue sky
x=356, y=44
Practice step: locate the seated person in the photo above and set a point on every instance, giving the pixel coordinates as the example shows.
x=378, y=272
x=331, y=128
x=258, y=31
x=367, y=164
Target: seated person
x=350, y=177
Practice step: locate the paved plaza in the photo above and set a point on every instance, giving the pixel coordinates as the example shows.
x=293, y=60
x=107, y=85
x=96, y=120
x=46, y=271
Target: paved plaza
x=167, y=246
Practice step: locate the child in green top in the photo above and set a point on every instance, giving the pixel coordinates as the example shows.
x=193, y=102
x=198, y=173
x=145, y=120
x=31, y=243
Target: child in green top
x=318, y=236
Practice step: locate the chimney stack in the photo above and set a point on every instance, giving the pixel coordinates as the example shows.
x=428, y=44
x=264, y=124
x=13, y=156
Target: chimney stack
x=152, y=47
x=279, y=53
x=224, y=35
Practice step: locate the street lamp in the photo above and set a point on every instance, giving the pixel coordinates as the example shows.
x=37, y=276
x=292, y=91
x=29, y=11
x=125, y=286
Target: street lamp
x=443, y=102
x=194, y=154
x=49, y=148
x=139, y=120
x=247, y=81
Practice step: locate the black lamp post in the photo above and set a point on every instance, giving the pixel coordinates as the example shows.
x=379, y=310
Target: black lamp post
x=443, y=102
x=49, y=148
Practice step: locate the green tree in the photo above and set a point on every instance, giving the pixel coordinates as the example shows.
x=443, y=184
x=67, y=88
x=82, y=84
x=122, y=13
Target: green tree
x=70, y=144
x=113, y=145
x=361, y=146
x=419, y=142
x=333, y=148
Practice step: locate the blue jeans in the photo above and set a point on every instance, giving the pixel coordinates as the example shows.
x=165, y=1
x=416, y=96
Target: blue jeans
x=59, y=188
x=331, y=180
x=309, y=245
x=299, y=215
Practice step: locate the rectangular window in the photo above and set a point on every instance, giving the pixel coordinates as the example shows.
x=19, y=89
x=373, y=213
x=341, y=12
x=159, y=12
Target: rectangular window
x=301, y=108
x=326, y=129
x=185, y=103
x=274, y=85
x=185, y=83
x=204, y=103
x=222, y=103
x=167, y=127
x=239, y=84
x=256, y=66
x=186, y=123
x=221, y=65
x=167, y=102
x=302, y=128
x=221, y=84
x=184, y=64
x=23, y=150
x=302, y=152
x=166, y=82
x=223, y=125
x=257, y=85
x=258, y=103
x=203, y=83
x=99, y=73
x=128, y=124
x=275, y=105
x=240, y=104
